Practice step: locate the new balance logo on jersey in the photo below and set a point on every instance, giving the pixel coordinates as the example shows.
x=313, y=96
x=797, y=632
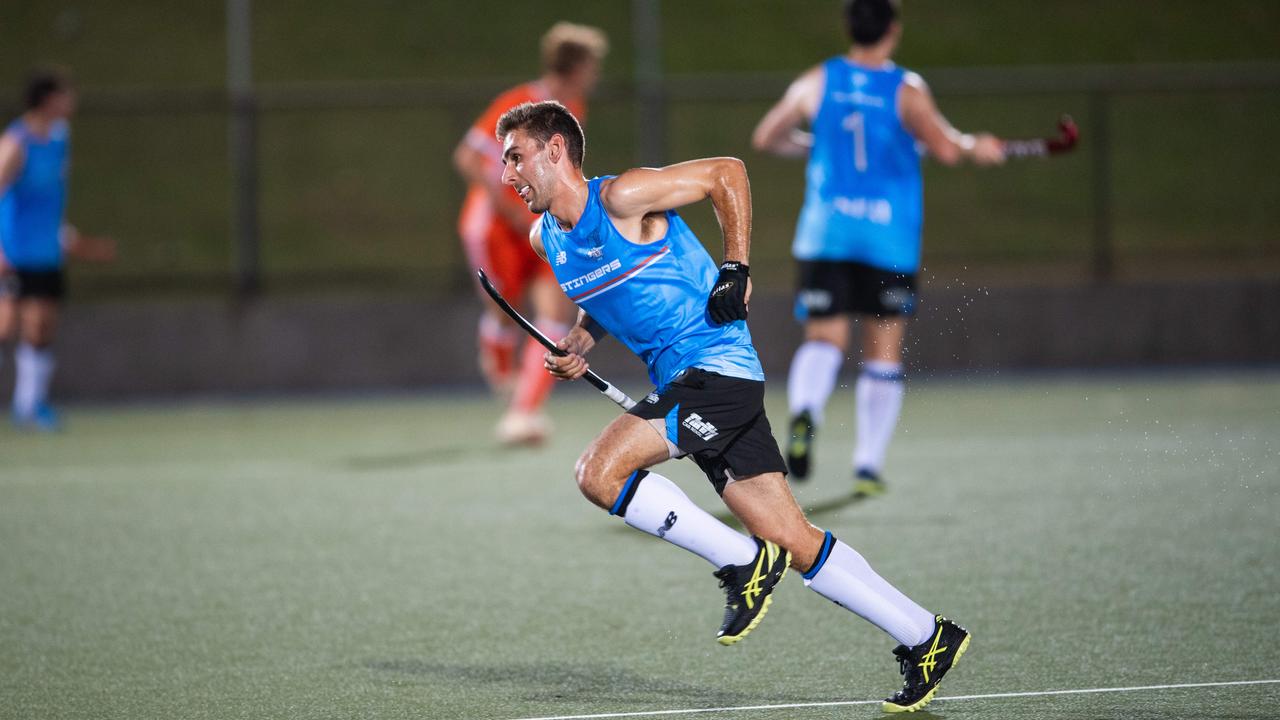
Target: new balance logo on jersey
x=561, y=258
x=596, y=274
x=667, y=524
x=700, y=427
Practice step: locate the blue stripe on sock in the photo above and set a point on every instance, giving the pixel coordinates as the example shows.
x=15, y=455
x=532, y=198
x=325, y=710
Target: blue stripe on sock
x=827, y=542
x=622, y=496
x=891, y=375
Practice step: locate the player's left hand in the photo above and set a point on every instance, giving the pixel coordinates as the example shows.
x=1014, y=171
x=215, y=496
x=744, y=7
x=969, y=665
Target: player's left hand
x=732, y=291
x=91, y=248
x=572, y=365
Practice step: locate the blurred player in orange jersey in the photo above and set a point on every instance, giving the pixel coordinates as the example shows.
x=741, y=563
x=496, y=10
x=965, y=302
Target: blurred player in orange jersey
x=494, y=225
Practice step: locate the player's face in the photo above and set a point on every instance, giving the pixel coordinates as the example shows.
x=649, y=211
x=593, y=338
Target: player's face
x=526, y=168
x=585, y=77
x=61, y=104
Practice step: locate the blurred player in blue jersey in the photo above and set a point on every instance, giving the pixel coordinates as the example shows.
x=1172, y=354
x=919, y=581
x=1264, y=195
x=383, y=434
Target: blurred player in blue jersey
x=637, y=272
x=34, y=161
x=858, y=237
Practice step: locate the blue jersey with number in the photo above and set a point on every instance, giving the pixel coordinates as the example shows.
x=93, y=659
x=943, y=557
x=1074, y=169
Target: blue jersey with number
x=31, y=208
x=864, y=199
x=651, y=297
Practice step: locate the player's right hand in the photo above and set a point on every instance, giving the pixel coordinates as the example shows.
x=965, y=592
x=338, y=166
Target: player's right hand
x=988, y=149
x=572, y=365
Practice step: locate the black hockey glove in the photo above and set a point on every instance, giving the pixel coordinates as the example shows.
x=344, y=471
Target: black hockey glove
x=728, y=299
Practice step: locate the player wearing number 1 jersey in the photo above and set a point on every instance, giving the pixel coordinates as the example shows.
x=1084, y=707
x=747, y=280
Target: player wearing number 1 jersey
x=858, y=237
x=637, y=272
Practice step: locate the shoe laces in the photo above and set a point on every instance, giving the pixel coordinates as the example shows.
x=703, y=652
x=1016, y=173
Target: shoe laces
x=728, y=579
x=906, y=662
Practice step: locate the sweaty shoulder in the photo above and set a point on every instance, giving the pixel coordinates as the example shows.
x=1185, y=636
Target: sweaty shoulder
x=535, y=239
x=608, y=196
x=913, y=94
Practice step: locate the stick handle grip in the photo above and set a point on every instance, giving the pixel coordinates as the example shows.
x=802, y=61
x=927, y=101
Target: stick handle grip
x=595, y=380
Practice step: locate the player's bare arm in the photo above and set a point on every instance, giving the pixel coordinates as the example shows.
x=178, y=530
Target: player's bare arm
x=472, y=166
x=10, y=166
x=781, y=131
x=87, y=248
x=640, y=192
x=923, y=119
x=10, y=160
x=635, y=196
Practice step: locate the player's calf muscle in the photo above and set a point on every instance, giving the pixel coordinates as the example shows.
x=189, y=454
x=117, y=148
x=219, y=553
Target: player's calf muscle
x=765, y=506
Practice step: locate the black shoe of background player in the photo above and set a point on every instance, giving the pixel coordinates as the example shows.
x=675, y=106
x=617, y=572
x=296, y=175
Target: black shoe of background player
x=924, y=665
x=800, y=446
x=749, y=589
x=866, y=483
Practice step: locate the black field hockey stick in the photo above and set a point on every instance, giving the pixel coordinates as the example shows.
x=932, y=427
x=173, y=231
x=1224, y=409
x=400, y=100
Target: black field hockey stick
x=1064, y=142
x=599, y=383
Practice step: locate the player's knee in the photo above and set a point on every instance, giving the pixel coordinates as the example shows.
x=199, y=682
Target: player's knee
x=591, y=474
x=833, y=331
x=38, y=335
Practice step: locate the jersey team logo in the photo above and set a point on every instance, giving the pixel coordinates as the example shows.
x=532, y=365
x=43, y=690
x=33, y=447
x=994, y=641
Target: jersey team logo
x=596, y=274
x=700, y=427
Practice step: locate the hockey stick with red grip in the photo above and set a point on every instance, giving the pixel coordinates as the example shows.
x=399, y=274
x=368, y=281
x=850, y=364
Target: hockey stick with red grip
x=1064, y=142
x=599, y=383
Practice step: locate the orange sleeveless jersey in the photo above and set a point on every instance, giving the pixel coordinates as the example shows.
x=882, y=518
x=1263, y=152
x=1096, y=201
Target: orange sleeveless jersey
x=490, y=241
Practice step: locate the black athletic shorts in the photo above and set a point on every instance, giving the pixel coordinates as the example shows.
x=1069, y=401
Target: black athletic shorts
x=829, y=287
x=718, y=420
x=22, y=284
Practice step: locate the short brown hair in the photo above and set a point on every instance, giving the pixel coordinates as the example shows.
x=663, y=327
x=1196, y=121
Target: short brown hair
x=542, y=120
x=868, y=21
x=43, y=82
x=567, y=45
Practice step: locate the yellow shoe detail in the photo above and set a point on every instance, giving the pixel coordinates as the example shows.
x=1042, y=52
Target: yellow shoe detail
x=868, y=488
x=757, y=578
x=927, y=662
x=928, y=697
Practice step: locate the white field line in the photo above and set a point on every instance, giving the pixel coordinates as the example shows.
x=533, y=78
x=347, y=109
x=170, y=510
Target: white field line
x=988, y=696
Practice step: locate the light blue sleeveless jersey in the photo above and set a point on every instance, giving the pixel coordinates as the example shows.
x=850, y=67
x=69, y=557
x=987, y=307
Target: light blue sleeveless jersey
x=31, y=208
x=864, y=200
x=651, y=297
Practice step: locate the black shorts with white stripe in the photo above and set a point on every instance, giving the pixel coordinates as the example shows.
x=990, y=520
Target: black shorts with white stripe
x=719, y=420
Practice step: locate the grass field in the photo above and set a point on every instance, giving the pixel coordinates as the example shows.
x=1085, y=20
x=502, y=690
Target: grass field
x=380, y=558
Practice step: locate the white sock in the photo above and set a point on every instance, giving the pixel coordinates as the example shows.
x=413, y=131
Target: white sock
x=813, y=377
x=654, y=504
x=842, y=576
x=33, y=370
x=878, y=396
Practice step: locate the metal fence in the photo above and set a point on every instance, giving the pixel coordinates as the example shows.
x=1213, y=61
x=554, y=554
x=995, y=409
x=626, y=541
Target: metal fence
x=338, y=184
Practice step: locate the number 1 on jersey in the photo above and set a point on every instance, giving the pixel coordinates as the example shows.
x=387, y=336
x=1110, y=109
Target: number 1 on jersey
x=855, y=124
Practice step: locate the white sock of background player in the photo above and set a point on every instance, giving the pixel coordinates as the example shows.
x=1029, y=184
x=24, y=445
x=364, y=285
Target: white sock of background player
x=33, y=371
x=813, y=377
x=878, y=398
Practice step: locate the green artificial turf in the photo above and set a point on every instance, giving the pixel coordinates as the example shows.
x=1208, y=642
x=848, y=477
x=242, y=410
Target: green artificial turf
x=383, y=558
